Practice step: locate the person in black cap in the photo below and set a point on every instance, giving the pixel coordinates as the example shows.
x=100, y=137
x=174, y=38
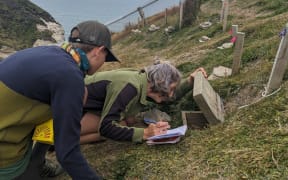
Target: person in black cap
x=40, y=83
x=101, y=37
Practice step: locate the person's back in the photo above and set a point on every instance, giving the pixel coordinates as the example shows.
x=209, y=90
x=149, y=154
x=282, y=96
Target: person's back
x=115, y=97
x=112, y=83
x=29, y=81
x=41, y=83
x=36, y=71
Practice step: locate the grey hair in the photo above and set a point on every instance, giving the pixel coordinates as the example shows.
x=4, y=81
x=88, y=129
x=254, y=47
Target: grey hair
x=161, y=76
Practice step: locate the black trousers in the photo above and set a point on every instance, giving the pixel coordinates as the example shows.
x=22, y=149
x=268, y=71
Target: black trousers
x=37, y=161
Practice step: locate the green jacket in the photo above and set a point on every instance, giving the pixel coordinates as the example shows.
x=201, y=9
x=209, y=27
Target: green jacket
x=118, y=94
x=112, y=83
x=26, y=113
x=35, y=82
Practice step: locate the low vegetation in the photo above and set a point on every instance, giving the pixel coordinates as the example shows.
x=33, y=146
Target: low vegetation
x=250, y=144
x=18, y=24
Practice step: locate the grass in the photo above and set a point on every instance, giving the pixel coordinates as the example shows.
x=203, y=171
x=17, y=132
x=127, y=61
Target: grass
x=276, y=6
x=244, y=147
x=18, y=24
x=251, y=143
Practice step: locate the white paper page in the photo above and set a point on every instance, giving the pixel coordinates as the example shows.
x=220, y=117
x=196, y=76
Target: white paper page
x=180, y=131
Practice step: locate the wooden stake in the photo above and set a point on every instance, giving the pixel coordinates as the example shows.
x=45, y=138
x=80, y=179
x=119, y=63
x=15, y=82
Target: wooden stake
x=166, y=16
x=238, y=53
x=279, y=65
x=141, y=13
x=234, y=30
x=226, y=7
x=222, y=12
x=181, y=14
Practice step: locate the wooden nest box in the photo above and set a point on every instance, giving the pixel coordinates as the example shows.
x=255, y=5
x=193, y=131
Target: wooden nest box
x=209, y=102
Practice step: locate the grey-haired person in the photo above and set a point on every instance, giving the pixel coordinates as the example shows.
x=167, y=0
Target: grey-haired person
x=40, y=83
x=116, y=97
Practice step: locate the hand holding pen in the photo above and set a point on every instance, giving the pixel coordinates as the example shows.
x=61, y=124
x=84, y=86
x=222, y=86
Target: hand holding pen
x=156, y=128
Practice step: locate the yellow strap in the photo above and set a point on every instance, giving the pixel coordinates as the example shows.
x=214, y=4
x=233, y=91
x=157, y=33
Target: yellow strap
x=68, y=48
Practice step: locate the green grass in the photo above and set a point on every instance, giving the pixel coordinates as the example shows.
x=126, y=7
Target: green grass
x=275, y=6
x=250, y=144
x=18, y=24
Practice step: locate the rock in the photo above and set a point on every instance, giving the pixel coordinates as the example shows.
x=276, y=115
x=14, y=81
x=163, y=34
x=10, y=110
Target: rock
x=40, y=42
x=57, y=33
x=153, y=28
x=220, y=71
x=136, y=31
x=205, y=25
x=6, y=51
x=204, y=38
x=156, y=115
x=226, y=45
x=169, y=29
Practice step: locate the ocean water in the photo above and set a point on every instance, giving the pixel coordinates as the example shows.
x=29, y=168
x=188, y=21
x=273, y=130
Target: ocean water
x=69, y=12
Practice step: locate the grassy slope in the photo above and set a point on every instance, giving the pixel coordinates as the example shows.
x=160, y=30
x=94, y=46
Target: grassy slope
x=18, y=23
x=252, y=142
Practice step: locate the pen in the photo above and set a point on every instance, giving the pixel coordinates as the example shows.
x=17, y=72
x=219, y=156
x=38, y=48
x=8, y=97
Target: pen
x=149, y=121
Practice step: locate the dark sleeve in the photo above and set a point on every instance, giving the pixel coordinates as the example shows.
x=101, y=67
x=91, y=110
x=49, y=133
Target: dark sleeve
x=183, y=88
x=108, y=126
x=66, y=103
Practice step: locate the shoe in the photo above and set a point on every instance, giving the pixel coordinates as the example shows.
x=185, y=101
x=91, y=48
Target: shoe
x=50, y=169
x=51, y=149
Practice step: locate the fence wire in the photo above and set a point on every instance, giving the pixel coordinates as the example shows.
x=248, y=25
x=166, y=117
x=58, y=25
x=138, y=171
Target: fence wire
x=133, y=17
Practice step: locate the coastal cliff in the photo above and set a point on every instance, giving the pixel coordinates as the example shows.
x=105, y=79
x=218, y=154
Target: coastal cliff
x=24, y=24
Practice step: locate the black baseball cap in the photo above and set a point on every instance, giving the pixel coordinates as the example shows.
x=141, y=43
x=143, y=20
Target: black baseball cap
x=94, y=33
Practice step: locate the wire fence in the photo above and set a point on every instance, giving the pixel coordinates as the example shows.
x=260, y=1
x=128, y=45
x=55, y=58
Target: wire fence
x=141, y=13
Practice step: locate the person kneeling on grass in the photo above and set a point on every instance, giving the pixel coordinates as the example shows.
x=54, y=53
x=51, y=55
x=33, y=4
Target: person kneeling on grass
x=40, y=83
x=116, y=97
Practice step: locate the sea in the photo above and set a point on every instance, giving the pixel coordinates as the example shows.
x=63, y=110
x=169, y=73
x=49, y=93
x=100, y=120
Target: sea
x=68, y=13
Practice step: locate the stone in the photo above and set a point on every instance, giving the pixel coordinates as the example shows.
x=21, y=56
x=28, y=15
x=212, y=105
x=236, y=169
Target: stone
x=204, y=39
x=205, y=25
x=135, y=31
x=153, y=28
x=156, y=115
x=57, y=33
x=220, y=71
x=226, y=45
x=6, y=51
x=169, y=29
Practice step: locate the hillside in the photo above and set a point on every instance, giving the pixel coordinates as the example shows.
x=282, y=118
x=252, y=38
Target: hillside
x=252, y=142
x=18, y=30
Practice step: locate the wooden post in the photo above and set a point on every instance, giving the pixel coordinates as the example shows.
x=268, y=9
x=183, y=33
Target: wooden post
x=237, y=55
x=225, y=16
x=222, y=12
x=139, y=23
x=234, y=30
x=141, y=13
x=181, y=6
x=279, y=65
x=166, y=16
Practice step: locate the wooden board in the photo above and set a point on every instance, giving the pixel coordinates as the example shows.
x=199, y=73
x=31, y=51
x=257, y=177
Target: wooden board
x=208, y=100
x=194, y=119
